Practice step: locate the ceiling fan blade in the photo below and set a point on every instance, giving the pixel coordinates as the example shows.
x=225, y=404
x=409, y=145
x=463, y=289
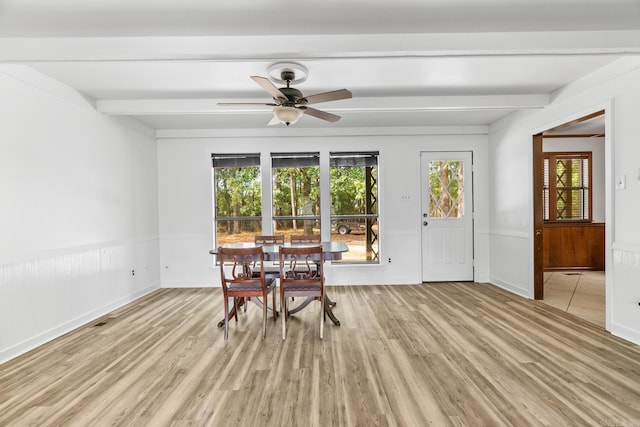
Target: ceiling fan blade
x=274, y=121
x=269, y=87
x=334, y=95
x=320, y=114
x=271, y=104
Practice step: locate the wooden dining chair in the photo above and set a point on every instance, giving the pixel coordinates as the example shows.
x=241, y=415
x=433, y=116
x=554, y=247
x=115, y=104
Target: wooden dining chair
x=271, y=268
x=301, y=275
x=241, y=280
x=305, y=238
x=269, y=240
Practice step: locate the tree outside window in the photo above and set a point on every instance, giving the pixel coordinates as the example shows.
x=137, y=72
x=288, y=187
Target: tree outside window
x=296, y=201
x=446, y=188
x=237, y=197
x=354, y=204
x=296, y=193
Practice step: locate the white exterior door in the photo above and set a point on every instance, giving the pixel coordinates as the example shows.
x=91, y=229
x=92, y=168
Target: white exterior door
x=447, y=216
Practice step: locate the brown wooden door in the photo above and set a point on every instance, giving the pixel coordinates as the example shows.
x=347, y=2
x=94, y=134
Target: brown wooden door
x=538, y=220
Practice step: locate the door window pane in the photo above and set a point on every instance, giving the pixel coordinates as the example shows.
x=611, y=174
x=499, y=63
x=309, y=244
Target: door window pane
x=446, y=183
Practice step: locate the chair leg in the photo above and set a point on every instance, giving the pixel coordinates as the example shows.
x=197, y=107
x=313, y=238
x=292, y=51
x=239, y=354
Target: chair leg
x=283, y=309
x=275, y=313
x=264, y=315
x=226, y=317
x=322, y=315
x=235, y=307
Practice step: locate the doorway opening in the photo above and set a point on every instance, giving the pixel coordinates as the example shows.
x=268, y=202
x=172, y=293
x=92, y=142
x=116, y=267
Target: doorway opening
x=569, y=217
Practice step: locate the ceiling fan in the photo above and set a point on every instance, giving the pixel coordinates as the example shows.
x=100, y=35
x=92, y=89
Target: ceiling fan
x=289, y=103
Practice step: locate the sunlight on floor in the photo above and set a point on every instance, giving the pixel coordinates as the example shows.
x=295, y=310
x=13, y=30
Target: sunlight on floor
x=580, y=293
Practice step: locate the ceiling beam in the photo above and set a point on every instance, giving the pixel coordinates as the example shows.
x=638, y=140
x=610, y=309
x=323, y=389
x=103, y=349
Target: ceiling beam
x=356, y=104
x=301, y=47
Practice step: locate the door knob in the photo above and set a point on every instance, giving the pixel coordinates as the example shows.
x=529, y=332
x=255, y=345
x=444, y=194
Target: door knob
x=425, y=223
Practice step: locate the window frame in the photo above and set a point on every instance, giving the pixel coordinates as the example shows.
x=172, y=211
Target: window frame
x=550, y=190
x=371, y=218
x=235, y=160
x=322, y=216
x=294, y=160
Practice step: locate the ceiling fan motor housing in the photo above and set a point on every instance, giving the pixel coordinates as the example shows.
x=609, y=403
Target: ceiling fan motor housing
x=292, y=94
x=288, y=76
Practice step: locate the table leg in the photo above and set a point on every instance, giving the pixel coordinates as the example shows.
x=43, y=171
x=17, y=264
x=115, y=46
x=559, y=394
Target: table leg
x=301, y=305
x=327, y=308
x=328, y=304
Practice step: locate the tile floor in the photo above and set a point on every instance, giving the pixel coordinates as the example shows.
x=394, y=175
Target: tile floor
x=580, y=293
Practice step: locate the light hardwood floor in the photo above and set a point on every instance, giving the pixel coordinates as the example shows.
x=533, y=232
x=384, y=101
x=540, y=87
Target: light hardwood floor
x=463, y=354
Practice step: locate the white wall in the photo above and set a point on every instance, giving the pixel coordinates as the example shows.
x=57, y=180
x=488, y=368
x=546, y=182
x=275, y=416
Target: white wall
x=185, y=192
x=615, y=88
x=78, y=211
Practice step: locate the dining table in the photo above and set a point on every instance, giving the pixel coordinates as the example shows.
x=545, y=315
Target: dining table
x=331, y=251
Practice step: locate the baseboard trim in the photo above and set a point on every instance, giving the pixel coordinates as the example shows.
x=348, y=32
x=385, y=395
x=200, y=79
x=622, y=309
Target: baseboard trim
x=187, y=284
x=58, y=331
x=625, y=333
x=511, y=288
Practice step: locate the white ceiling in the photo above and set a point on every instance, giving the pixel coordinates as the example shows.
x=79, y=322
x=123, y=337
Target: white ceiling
x=168, y=63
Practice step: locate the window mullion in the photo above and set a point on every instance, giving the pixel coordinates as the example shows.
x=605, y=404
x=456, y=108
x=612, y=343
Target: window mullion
x=325, y=196
x=266, y=175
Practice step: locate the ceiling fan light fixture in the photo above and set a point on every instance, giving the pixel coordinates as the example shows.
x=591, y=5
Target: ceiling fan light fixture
x=287, y=115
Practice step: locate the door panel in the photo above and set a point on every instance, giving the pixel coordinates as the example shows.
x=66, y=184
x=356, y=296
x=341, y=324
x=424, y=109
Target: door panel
x=447, y=216
x=538, y=179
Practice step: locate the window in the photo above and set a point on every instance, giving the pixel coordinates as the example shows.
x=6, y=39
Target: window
x=296, y=193
x=237, y=197
x=354, y=204
x=567, y=186
x=243, y=210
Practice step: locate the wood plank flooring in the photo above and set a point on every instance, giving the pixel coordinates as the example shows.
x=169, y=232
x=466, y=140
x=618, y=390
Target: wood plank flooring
x=459, y=354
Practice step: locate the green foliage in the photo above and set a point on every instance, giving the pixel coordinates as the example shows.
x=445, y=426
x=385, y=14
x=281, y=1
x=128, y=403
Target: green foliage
x=305, y=182
x=238, y=192
x=445, y=182
x=348, y=190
